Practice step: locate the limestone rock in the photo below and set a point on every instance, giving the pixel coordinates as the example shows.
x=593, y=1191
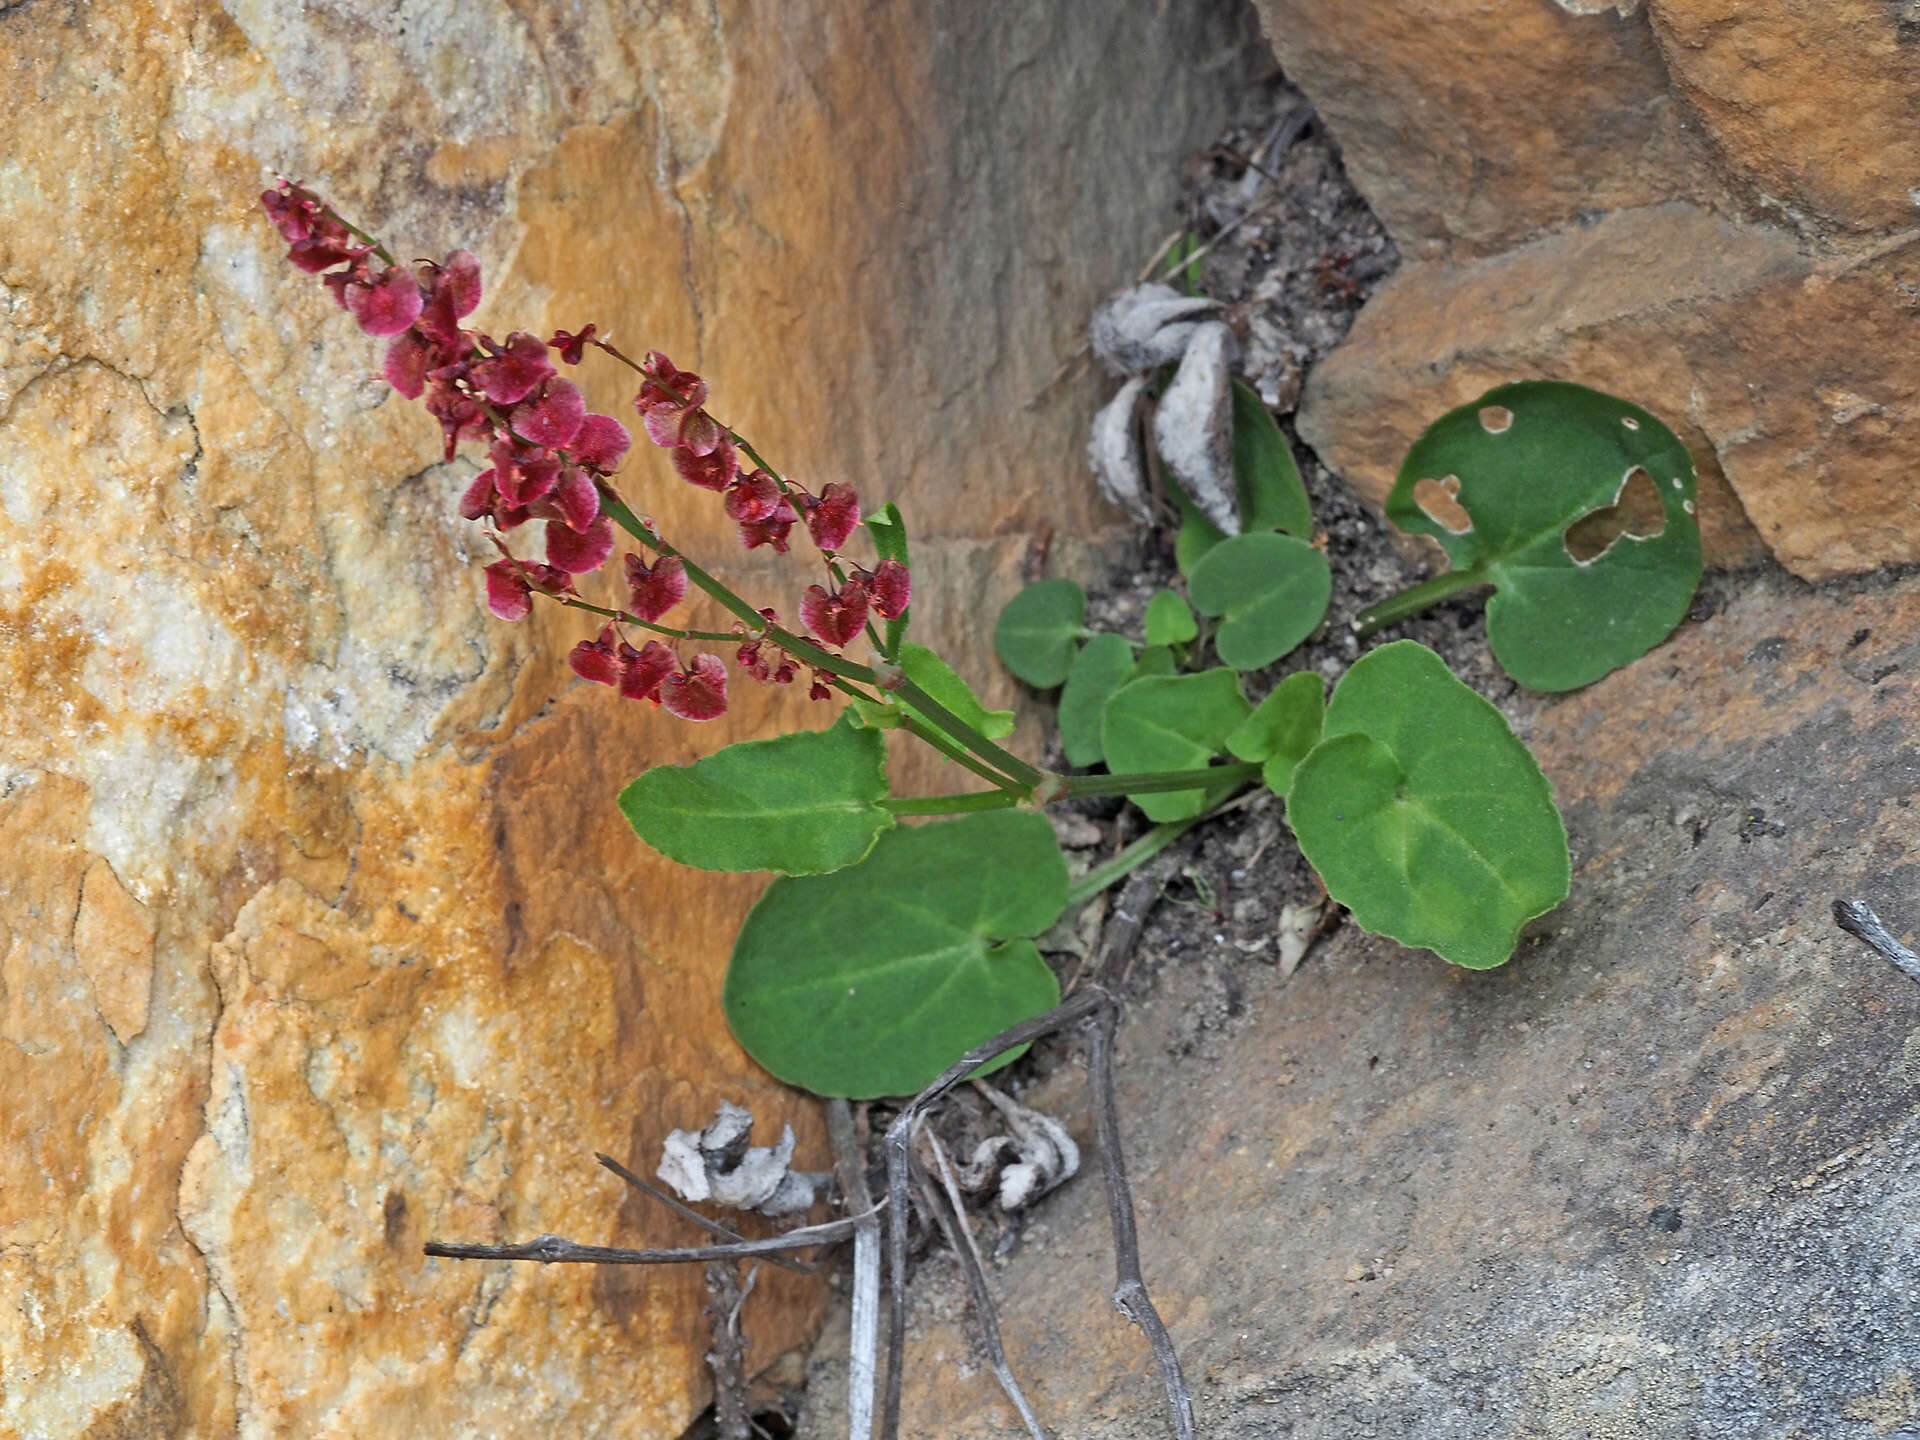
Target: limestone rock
x=319, y=933
x=1650, y=1179
x=1813, y=104
x=1775, y=368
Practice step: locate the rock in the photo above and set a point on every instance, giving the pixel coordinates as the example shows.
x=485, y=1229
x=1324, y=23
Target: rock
x=1645, y=1180
x=1683, y=312
x=319, y=934
x=1471, y=126
x=1813, y=105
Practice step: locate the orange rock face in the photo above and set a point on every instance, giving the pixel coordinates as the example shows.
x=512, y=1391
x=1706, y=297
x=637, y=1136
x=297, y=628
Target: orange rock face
x=319, y=934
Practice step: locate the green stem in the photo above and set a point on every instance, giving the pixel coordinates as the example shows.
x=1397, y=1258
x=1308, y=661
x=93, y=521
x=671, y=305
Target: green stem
x=979, y=744
x=1396, y=608
x=952, y=804
x=572, y=603
x=920, y=730
x=1113, y=871
x=1211, y=777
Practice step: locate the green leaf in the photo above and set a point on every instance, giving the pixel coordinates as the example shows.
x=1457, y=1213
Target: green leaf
x=1271, y=590
x=873, y=980
x=1038, y=631
x=889, y=534
x=1283, y=728
x=1271, y=494
x=1171, y=722
x=1424, y=815
x=1524, y=464
x=1104, y=664
x=800, y=804
x=1154, y=660
x=939, y=679
x=1170, y=620
x=1190, y=267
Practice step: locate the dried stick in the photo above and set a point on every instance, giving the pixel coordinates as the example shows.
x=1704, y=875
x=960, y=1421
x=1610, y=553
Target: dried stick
x=558, y=1250
x=727, y=1358
x=687, y=1212
x=954, y=1227
x=1856, y=917
x=898, y=1141
x=850, y=1167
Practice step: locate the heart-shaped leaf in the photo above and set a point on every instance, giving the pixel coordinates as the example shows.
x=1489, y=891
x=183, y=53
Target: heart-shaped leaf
x=873, y=980
x=1104, y=664
x=1271, y=494
x=801, y=804
x=889, y=534
x=1424, y=815
x=1270, y=590
x=1154, y=660
x=1171, y=722
x=1169, y=620
x=1500, y=484
x=1283, y=728
x=1039, y=629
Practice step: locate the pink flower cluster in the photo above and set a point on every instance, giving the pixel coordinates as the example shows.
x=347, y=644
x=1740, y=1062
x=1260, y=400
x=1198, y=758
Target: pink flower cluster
x=550, y=459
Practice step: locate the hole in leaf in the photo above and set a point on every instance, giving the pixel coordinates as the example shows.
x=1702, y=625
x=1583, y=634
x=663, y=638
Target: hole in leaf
x=1439, y=501
x=1496, y=419
x=1629, y=422
x=1636, y=513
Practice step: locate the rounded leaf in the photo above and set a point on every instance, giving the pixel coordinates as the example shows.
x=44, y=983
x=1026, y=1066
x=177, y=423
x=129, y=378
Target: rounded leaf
x=1171, y=722
x=1170, y=620
x=1507, y=484
x=1104, y=664
x=1270, y=590
x=1424, y=815
x=800, y=804
x=873, y=980
x=1270, y=491
x=1283, y=728
x=1038, y=631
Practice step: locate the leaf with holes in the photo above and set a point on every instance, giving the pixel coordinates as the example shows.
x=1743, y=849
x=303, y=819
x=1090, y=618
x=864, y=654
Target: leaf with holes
x=1171, y=722
x=1283, y=728
x=873, y=980
x=1038, y=631
x=1271, y=494
x=1104, y=664
x=1169, y=620
x=1424, y=815
x=801, y=804
x=1577, y=507
x=1270, y=592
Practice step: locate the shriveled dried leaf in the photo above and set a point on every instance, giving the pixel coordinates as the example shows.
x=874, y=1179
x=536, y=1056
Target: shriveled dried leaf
x=1144, y=327
x=1114, y=452
x=1193, y=427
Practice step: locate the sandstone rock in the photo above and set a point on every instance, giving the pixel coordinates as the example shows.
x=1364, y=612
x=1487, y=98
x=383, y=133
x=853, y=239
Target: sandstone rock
x=319, y=935
x=1814, y=104
x=1475, y=125
x=1777, y=370
x=1657, y=1177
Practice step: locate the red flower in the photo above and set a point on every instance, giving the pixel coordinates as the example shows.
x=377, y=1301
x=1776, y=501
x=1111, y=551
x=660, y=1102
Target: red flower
x=642, y=671
x=837, y=618
x=453, y=293
x=553, y=417
x=697, y=693
x=831, y=515
x=482, y=501
x=514, y=372
x=596, y=660
x=656, y=590
x=409, y=358
x=713, y=470
x=602, y=443
x=386, y=305
x=511, y=583
x=521, y=474
x=819, y=690
x=573, y=347
x=576, y=498
x=892, y=589
x=770, y=531
x=669, y=402
x=579, y=552
x=755, y=497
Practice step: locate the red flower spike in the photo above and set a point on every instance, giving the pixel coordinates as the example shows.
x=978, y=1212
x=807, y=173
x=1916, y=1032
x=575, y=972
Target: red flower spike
x=835, y=619
x=653, y=592
x=577, y=497
x=595, y=660
x=389, y=305
x=577, y=552
x=770, y=531
x=752, y=498
x=642, y=671
x=831, y=518
x=891, y=588
x=409, y=358
x=602, y=443
x=573, y=347
x=515, y=372
x=554, y=417
x=712, y=471
x=697, y=693
x=508, y=594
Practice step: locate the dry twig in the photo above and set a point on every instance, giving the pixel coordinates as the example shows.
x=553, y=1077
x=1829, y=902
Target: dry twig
x=728, y=1357
x=1856, y=917
x=687, y=1212
x=558, y=1250
x=850, y=1167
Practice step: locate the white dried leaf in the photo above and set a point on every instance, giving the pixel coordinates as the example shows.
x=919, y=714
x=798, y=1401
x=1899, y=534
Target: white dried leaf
x=717, y=1164
x=1296, y=933
x=1144, y=327
x=1113, y=450
x=1193, y=427
x=1038, y=1156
